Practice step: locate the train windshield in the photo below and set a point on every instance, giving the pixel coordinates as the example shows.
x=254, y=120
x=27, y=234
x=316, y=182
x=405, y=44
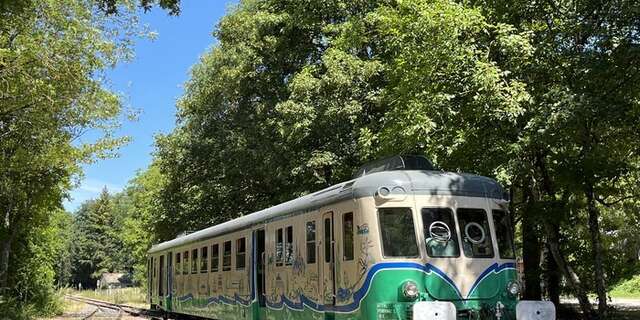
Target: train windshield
x=504, y=234
x=397, y=231
x=474, y=228
x=440, y=233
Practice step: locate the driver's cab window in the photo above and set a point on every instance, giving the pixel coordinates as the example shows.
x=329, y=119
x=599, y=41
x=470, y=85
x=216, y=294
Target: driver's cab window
x=475, y=234
x=440, y=233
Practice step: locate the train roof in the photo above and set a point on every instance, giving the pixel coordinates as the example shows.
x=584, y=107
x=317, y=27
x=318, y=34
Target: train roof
x=423, y=182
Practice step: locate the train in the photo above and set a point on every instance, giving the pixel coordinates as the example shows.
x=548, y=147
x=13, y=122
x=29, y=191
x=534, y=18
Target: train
x=401, y=240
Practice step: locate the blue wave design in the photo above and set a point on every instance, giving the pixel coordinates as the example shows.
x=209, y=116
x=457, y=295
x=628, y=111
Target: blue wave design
x=360, y=294
x=494, y=268
x=185, y=298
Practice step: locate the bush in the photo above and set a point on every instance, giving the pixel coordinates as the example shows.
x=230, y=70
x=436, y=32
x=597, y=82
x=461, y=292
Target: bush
x=17, y=310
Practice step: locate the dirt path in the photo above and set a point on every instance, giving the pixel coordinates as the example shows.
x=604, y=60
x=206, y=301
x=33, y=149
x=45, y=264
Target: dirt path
x=624, y=308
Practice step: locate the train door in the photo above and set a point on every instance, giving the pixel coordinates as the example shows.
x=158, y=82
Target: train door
x=170, y=289
x=161, y=276
x=260, y=267
x=328, y=264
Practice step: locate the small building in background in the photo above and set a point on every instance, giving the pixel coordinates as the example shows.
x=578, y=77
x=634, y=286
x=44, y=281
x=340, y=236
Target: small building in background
x=114, y=280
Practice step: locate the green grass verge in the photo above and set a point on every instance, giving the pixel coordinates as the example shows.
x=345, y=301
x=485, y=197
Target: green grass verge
x=128, y=296
x=627, y=289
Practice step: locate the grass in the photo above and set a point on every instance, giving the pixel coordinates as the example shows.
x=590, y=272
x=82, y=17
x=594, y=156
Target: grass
x=629, y=288
x=130, y=296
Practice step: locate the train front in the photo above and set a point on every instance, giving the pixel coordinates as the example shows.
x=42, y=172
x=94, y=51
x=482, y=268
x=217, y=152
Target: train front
x=447, y=251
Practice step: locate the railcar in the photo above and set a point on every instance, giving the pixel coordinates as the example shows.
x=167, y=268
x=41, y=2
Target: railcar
x=399, y=241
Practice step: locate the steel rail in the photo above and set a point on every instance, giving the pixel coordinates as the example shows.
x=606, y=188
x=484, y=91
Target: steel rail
x=137, y=312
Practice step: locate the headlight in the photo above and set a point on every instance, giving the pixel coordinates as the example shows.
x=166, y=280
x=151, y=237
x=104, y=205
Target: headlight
x=513, y=288
x=410, y=290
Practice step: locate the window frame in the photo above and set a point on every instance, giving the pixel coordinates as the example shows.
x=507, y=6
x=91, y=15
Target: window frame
x=194, y=261
x=382, y=253
x=488, y=235
x=178, y=264
x=454, y=218
x=204, y=259
x=288, y=240
x=279, y=259
x=511, y=233
x=344, y=233
x=186, y=260
x=312, y=242
x=244, y=253
x=215, y=256
x=228, y=267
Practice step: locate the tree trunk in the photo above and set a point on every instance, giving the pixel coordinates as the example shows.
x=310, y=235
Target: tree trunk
x=596, y=249
x=4, y=258
x=530, y=253
x=553, y=242
x=552, y=278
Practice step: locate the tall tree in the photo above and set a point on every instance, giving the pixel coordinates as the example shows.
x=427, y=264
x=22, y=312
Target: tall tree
x=53, y=55
x=295, y=95
x=99, y=227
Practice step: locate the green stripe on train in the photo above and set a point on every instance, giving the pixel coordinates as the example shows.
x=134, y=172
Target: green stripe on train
x=382, y=301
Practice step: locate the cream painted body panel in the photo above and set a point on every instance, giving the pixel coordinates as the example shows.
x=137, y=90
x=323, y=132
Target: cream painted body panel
x=311, y=280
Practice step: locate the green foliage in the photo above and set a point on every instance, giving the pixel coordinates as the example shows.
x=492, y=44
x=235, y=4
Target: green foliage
x=542, y=96
x=114, y=232
x=33, y=277
x=296, y=96
x=99, y=247
x=111, y=6
x=138, y=232
x=53, y=55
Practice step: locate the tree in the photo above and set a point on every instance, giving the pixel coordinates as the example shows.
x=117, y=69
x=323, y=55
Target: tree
x=99, y=228
x=294, y=97
x=542, y=96
x=584, y=83
x=143, y=215
x=52, y=58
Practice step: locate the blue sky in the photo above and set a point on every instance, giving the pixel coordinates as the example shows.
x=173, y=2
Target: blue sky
x=152, y=83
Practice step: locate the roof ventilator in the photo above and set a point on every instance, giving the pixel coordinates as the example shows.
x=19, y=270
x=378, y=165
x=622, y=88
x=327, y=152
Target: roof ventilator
x=400, y=162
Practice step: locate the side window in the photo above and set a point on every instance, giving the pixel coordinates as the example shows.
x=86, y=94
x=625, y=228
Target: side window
x=215, y=257
x=153, y=263
x=204, y=258
x=226, y=256
x=185, y=264
x=194, y=261
x=440, y=232
x=288, y=247
x=240, y=253
x=311, y=242
x=474, y=230
x=178, y=271
x=504, y=234
x=397, y=232
x=347, y=236
x=279, y=247
x=327, y=240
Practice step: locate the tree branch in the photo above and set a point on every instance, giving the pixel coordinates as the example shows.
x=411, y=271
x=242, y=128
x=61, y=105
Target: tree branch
x=609, y=204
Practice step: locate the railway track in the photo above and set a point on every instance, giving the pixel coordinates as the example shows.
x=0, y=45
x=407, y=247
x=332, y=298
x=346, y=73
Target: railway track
x=120, y=308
